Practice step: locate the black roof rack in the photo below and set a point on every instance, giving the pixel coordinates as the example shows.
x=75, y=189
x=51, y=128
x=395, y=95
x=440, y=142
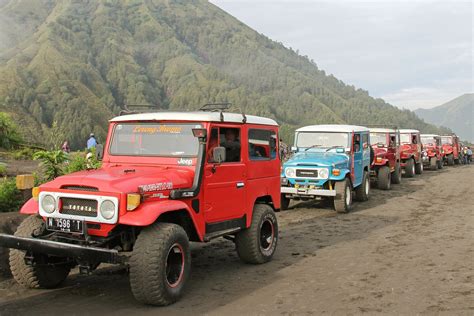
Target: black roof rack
x=139, y=108
x=220, y=107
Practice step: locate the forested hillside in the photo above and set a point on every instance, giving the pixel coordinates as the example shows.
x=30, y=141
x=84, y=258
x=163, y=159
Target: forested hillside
x=66, y=67
x=457, y=114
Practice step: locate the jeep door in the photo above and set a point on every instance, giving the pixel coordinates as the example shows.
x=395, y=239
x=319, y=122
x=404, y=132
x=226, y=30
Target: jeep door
x=361, y=156
x=224, y=183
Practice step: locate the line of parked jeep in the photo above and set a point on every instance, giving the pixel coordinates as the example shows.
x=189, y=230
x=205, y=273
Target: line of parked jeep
x=168, y=178
x=334, y=160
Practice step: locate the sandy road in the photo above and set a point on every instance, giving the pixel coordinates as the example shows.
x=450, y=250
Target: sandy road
x=406, y=251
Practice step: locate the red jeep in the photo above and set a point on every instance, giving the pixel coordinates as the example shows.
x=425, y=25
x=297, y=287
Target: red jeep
x=411, y=152
x=432, y=151
x=167, y=178
x=385, y=168
x=452, y=149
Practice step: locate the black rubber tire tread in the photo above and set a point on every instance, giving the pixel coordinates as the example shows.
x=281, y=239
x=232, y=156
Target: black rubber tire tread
x=340, y=205
x=433, y=163
x=360, y=190
x=39, y=276
x=397, y=174
x=419, y=168
x=410, y=168
x=440, y=163
x=285, y=202
x=451, y=160
x=247, y=241
x=384, y=178
x=148, y=260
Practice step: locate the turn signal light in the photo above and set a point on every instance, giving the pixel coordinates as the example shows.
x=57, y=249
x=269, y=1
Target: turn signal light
x=35, y=193
x=133, y=201
x=378, y=159
x=336, y=172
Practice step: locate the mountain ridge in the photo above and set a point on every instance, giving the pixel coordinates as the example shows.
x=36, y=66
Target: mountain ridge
x=456, y=114
x=76, y=64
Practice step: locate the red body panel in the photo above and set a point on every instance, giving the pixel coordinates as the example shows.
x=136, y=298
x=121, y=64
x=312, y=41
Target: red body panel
x=412, y=149
x=389, y=155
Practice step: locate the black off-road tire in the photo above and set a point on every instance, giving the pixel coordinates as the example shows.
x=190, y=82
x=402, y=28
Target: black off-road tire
x=343, y=198
x=419, y=168
x=397, y=174
x=363, y=190
x=433, y=163
x=284, y=202
x=450, y=160
x=257, y=244
x=384, y=180
x=156, y=247
x=440, y=163
x=41, y=275
x=410, y=168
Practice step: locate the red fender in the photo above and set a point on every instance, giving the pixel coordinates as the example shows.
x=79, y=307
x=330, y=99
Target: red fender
x=30, y=207
x=147, y=213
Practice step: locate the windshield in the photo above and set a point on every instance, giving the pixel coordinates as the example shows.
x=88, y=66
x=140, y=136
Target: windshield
x=405, y=139
x=428, y=140
x=154, y=139
x=446, y=140
x=320, y=139
x=376, y=138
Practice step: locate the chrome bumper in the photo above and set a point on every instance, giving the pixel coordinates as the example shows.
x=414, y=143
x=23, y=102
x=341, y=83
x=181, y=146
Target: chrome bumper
x=303, y=191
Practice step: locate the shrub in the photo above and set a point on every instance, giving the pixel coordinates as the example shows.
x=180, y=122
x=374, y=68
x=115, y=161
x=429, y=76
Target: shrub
x=51, y=163
x=3, y=169
x=23, y=154
x=9, y=135
x=10, y=196
x=77, y=162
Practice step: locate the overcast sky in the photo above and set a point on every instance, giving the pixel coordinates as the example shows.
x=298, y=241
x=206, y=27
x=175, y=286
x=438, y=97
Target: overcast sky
x=414, y=54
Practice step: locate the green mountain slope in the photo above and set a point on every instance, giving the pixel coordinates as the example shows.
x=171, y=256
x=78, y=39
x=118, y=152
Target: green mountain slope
x=457, y=114
x=77, y=63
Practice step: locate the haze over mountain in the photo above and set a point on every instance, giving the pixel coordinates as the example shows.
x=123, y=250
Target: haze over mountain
x=457, y=114
x=72, y=65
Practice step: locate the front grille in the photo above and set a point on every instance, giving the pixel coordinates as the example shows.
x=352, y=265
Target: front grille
x=307, y=173
x=80, y=207
x=79, y=188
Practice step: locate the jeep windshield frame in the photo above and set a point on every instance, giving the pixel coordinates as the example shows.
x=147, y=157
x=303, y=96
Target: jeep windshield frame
x=428, y=140
x=446, y=140
x=322, y=140
x=405, y=138
x=378, y=138
x=154, y=139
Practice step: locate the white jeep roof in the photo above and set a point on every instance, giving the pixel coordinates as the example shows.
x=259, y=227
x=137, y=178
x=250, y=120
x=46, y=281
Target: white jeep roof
x=199, y=116
x=381, y=130
x=333, y=128
x=429, y=135
x=409, y=131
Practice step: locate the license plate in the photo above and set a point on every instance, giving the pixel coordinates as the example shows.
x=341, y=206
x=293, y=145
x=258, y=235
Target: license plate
x=65, y=225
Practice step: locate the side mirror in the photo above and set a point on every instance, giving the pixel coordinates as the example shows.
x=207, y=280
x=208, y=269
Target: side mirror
x=218, y=154
x=294, y=149
x=99, y=152
x=340, y=150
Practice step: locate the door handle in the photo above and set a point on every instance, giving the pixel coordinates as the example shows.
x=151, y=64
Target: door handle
x=240, y=185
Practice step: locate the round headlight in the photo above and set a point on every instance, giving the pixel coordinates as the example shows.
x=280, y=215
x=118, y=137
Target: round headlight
x=48, y=203
x=323, y=173
x=107, y=209
x=290, y=172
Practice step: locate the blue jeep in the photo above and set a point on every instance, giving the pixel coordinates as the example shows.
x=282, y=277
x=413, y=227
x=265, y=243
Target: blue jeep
x=329, y=161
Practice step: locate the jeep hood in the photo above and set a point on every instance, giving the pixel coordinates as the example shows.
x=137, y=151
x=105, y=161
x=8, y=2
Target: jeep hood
x=325, y=159
x=126, y=178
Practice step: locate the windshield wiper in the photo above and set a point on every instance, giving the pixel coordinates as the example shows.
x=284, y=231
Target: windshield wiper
x=332, y=147
x=313, y=146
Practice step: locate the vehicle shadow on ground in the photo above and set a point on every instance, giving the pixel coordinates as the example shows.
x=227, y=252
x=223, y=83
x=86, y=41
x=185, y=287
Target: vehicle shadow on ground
x=218, y=276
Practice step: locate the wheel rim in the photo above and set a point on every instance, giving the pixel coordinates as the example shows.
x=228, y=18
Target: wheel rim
x=174, y=265
x=348, y=195
x=267, y=235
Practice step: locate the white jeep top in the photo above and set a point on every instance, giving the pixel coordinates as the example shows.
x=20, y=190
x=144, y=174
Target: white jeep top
x=429, y=135
x=333, y=128
x=409, y=131
x=198, y=116
x=381, y=130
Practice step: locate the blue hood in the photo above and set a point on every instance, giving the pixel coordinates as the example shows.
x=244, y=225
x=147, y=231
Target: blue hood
x=316, y=158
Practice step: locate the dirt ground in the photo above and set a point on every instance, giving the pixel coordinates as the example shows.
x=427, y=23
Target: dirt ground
x=407, y=251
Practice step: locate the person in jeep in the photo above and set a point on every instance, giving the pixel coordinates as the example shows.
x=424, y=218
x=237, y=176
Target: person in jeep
x=231, y=144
